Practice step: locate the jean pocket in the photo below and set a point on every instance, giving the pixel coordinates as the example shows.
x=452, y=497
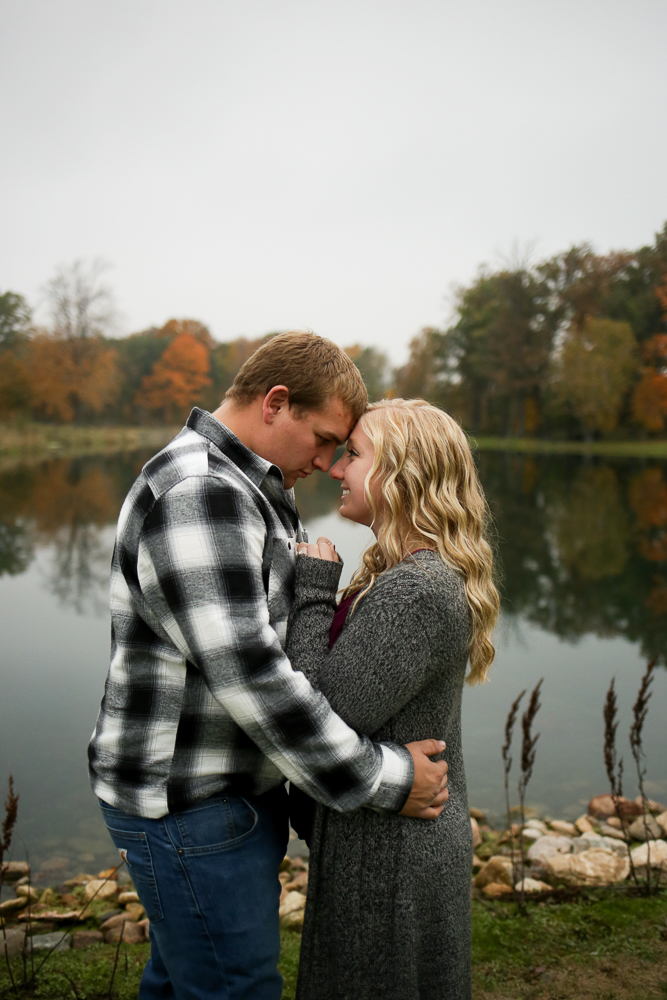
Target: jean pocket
x=135, y=851
x=219, y=824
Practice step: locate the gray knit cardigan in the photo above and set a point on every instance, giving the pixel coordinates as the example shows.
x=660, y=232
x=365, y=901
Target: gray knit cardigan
x=388, y=911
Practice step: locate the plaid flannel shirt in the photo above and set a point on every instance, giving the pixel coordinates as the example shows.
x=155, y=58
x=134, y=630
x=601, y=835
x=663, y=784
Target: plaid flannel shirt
x=200, y=697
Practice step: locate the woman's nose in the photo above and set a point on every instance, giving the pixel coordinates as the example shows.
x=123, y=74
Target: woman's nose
x=336, y=472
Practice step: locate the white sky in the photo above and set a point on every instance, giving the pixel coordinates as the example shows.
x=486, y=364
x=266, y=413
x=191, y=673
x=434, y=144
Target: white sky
x=328, y=164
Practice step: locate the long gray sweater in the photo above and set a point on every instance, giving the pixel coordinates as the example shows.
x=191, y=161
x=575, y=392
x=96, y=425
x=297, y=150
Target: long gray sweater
x=388, y=911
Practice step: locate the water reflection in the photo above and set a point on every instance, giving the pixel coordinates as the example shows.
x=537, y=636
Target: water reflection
x=63, y=505
x=582, y=543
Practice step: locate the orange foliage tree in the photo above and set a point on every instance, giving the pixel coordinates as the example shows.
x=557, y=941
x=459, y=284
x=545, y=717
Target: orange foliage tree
x=177, y=379
x=70, y=379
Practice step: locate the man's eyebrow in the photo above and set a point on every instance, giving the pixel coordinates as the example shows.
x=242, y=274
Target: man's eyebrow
x=330, y=436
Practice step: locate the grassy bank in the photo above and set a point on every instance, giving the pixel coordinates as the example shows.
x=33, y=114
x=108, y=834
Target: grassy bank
x=600, y=947
x=32, y=441
x=610, y=449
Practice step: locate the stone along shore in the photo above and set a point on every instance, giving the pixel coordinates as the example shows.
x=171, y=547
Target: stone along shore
x=595, y=850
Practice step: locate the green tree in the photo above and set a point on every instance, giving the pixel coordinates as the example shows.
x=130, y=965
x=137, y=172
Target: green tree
x=594, y=371
x=15, y=317
x=374, y=367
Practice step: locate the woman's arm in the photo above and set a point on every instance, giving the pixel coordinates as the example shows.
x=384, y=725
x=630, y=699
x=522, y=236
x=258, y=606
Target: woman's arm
x=315, y=587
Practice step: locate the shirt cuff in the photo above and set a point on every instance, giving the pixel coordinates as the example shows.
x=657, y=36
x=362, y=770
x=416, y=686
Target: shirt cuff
x=394, y=783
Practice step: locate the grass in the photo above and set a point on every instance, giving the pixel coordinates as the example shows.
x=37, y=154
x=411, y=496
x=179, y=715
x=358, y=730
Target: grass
x=535, y=446
x=597, y=948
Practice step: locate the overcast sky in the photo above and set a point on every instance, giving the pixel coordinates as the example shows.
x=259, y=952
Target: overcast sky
x=337, y=165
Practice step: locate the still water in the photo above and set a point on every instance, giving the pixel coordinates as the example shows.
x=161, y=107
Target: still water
x=583, y=547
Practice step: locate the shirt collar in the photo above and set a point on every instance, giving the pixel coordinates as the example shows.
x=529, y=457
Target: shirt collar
x=250, y=464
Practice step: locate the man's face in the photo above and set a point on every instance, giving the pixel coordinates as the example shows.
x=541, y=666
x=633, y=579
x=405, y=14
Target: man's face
x=301, y=443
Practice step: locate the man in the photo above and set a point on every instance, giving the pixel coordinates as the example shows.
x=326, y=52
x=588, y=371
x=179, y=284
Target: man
x=203, y=717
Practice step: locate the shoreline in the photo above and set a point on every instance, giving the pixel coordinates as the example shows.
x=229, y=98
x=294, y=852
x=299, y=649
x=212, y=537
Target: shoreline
x=31, y=442
x=34, y=442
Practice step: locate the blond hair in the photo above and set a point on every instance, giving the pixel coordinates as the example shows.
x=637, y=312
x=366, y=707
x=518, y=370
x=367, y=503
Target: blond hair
x=314, y=369
x=430, y=497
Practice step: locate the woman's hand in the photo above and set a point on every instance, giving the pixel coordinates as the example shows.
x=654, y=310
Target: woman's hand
x=321, y=549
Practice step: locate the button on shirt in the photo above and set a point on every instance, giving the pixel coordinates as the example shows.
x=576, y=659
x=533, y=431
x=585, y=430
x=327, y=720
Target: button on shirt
x=200, y=697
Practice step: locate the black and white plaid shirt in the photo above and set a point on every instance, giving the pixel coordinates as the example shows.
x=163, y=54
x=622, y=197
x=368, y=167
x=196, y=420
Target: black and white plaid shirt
x=200, y=697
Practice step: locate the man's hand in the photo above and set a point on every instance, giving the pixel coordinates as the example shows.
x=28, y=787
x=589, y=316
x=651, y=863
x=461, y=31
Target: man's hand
x=322, y=549
x=429, y=792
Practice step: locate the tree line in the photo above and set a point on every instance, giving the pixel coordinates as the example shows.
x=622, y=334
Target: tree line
x=571, y=347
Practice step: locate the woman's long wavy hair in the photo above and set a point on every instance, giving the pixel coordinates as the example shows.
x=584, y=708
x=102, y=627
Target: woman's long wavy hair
x=430, y=497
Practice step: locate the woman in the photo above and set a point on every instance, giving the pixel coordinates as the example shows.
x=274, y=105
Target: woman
x=388, y=912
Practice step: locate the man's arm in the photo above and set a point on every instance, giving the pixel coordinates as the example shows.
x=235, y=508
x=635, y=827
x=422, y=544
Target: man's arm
x=200, y=570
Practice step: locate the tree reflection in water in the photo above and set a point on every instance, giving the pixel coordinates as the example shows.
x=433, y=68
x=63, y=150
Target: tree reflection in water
x=65, y=505
x=582, y=542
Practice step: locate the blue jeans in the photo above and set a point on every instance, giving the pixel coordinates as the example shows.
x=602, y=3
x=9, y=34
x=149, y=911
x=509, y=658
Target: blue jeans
x=208, y=880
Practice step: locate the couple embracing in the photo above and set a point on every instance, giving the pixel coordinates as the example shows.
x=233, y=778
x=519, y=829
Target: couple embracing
x=233, y=668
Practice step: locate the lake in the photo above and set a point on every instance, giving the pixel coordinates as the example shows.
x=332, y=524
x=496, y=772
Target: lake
x=583, y=549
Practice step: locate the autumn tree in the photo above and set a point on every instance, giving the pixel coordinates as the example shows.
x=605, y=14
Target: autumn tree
x=594, y=371
x=177, y=379
x=71, y=379
x=421, y=376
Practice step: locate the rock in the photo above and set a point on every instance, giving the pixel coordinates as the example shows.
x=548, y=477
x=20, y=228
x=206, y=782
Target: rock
x=594, y=867
x=584, y=825
x=299, y=882
x=293, y=921
x=645, y=828
x=299, y=865
x=15, y=942
x=285, y=864
x=12, y=906
x=602, y=806
x=45, y=942
x=537, y=824
x=131, y=933
x=611, y=831
x=103, y=917
x=477, y=862
x=49, y=898
x=497, y=890
x=546, y=847
x=293, y=901
x=562, y=826
x=615, y=822
x=56, y=916
x=533, y=885
x=116, y=921
x=83, y=939
x=99, y=889
x=595, y=840
x=12, y=871
x=476, y=835
x=79, y=879
x=108, y=873
x=530, y=834
x=127, y=897
x=653, y=853
x=28, y=892
x=477, y=814
x=661, y=820
x=135, y=911
x=496, y=870
x=145, y=923
x=651, y=805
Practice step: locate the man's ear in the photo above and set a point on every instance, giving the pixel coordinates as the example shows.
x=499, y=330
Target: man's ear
x=276, y=399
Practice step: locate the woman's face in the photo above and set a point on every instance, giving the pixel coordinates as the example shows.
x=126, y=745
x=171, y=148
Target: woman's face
x=351, y=471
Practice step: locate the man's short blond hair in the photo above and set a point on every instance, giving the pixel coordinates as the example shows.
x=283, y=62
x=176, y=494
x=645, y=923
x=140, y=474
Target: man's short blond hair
x=314, y=369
